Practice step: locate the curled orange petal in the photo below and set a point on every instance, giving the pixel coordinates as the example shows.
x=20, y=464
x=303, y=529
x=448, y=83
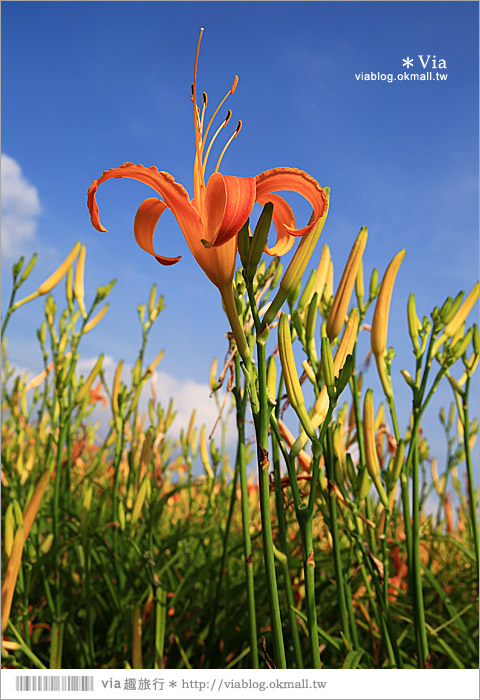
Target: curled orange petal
x=293, y=180
x=175, y=196
x=283, y=220
x=146, y=220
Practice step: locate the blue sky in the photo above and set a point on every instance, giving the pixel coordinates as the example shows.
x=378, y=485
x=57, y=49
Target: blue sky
x=87, y=86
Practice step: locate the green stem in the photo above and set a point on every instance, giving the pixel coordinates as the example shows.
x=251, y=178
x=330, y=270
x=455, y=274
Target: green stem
x=361, y=446
x=417, y=575
x=332, y=500
x=235, y=323
x=247, y=542
x=468, y=462
x=261, y=420
x=160, y=620
x=305, y=520
x=385, y=619
x=282, y=535
x=261, y=417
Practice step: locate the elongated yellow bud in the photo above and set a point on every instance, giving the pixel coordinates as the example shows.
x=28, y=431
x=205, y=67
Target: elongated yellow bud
x=371, y=458
x=339, y=446
x=380, y=418
x=152, y=299
x=326, y=364
x=309, y=372
x=456, y=386
x=414, y=325
x=52, y=281
x=212, y=382
x=458, y=335
x=452, y=327
x=31, y=509
x=204, y=453
x=311, y=320
x=116, y=386
x=96, y=319
x=322, y=270
x=293, y=273
x=11, y=575
x=87, y=502
x=87, y=385
x=121, y=515
x=329, y=283
x=438, y=483
x=307, y=292
x=408, y=378
x=462, y=344
x=78, y=285
x=345, y=348
x=378, y=336
x=191, y=426
x=69, y=288
x=60, y=272
x=271, y=380
x=397, y=462
x=338, y=311
x=359, y=286
x=146, y=454
x=137, y=508
x=151, y=367
x=290, y=376
x=8, y=530
x=47, y=543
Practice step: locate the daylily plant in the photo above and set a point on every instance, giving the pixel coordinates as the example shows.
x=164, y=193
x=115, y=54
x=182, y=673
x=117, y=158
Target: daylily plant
x=211, y=220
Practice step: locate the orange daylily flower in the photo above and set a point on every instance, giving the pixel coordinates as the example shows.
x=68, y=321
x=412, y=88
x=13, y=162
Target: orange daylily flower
x=211, y=220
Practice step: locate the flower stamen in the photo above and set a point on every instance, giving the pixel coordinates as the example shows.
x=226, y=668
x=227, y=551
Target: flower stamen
x=199, y=182
x=230, y=92
x=233, y=136
x=222, y=125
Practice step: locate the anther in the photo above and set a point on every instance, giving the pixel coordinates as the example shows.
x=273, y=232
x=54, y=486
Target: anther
x=192, y=92
x=237, y=130
x=227, y=118
x=234, y=86
x=204, y=99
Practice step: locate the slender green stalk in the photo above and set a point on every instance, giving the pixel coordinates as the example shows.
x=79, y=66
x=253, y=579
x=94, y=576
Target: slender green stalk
x=282, y=535
x=247, y=542
x=261, y=420
x=309, y=570
x=361, y=446
x=261, y=417
x=385, y=619
x=160, y=620
x=468, y=462
x=417, y=575
x=332, y=501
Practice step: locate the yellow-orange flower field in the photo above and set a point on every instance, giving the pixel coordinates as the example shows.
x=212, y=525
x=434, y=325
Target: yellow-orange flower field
x=332, y=537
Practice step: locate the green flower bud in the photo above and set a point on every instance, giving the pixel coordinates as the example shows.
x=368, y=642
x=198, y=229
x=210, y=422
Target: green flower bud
x=259, y=240
x=414, y=325
x=244, y=241
x=326, y=363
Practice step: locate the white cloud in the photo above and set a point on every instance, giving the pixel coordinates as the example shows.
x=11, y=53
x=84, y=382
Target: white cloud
x=20, y=210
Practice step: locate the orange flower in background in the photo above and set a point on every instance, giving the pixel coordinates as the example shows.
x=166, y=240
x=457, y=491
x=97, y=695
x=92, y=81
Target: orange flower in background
x=211, y=220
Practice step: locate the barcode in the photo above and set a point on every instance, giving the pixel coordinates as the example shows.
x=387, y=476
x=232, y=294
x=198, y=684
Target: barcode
x=53, y=683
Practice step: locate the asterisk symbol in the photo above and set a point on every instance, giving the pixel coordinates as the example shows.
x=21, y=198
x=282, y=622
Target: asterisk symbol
x=407, y=62
x=172, y=684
